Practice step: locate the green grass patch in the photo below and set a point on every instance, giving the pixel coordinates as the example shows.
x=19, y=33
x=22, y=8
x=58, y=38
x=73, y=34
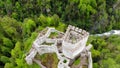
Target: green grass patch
x=53, y=34
x=49, y=60
x=76, y=62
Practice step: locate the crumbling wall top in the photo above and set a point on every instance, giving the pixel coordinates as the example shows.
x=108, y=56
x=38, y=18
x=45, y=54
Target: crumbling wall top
x=74, y=34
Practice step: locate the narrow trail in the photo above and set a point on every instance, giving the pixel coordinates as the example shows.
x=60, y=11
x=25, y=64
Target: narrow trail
x=112, y=32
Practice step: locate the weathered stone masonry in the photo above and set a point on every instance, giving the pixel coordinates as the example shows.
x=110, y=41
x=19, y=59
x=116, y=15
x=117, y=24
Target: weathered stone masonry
x=73, y=44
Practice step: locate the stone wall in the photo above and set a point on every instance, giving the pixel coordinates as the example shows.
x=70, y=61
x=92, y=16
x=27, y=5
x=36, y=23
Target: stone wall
x=90, y=60
x=70, y=49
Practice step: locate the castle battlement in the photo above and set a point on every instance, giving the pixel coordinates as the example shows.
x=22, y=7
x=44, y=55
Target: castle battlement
x=73, y=44
x=74, y=41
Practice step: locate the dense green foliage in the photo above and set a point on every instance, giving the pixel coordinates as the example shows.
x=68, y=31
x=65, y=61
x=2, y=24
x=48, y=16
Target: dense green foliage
x=105, y=52
x=16, y=38
x=22, y=20
x=92, y=15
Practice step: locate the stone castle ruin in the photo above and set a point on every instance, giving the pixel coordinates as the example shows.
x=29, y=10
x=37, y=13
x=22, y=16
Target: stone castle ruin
x=67, y=46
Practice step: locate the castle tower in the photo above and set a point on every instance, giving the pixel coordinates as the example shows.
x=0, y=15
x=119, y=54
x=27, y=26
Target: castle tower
x=74, y=41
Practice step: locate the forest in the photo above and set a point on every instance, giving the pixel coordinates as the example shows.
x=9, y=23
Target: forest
x=22, y=20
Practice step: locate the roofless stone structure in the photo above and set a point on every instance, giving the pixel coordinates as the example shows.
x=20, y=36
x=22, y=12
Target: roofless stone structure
x=74, y=41
x=73, y=46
